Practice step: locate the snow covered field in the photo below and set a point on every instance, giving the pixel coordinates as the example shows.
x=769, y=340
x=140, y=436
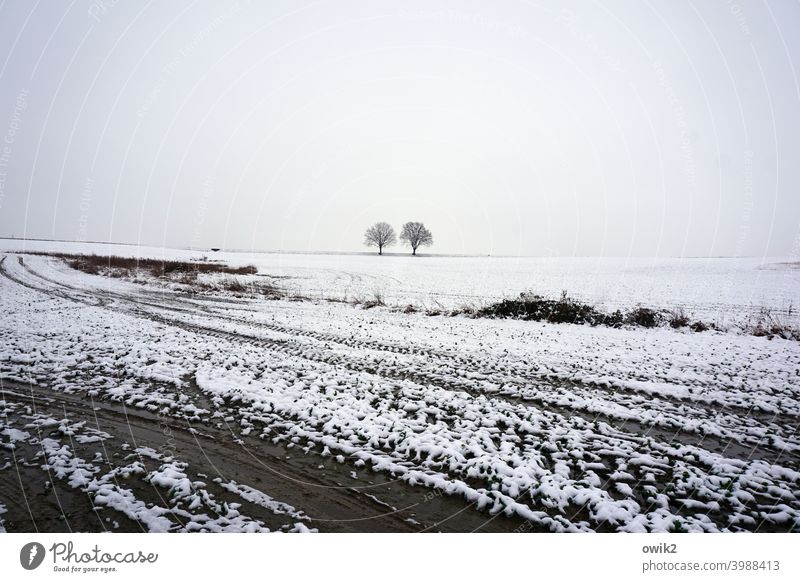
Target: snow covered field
x=130, y=406
x=721, y=291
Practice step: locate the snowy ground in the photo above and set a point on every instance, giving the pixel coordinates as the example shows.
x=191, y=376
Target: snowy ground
x=721, y=291
x=130, y=406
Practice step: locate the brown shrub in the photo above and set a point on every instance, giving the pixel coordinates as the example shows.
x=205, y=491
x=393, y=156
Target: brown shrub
x=124, y=266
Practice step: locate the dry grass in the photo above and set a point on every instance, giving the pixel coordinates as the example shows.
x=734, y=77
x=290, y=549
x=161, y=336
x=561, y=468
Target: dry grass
x=678, y=318
x=376, y=300
x=239, y=287
x=769, y=324
x=114, y=266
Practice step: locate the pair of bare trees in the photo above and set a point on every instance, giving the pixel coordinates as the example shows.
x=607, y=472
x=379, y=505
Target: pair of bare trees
x=413, y=234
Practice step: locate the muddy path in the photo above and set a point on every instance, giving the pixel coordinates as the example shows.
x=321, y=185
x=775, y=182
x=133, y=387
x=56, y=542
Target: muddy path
x=337, y=497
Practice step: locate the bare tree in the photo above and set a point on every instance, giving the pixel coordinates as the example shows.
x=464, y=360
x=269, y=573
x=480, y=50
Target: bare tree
x=415, y=235
x=380, y=235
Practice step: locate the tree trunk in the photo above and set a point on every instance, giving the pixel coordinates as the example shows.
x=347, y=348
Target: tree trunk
x=380, y=249
x=414, y=251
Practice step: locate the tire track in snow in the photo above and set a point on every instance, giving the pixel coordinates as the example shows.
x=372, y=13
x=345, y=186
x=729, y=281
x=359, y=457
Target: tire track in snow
x=663, y=428
x=234, y=337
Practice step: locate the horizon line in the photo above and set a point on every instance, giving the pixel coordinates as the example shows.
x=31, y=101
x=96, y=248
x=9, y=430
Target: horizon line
x=392, y=254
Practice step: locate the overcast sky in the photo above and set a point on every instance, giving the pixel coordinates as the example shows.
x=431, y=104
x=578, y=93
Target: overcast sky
x=508, y=127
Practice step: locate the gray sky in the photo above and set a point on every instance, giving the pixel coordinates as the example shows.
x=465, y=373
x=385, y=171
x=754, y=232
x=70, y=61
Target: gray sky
x=508, y=127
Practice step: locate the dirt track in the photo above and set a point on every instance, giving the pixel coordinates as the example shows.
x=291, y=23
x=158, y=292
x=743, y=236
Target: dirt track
x=325, y=489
